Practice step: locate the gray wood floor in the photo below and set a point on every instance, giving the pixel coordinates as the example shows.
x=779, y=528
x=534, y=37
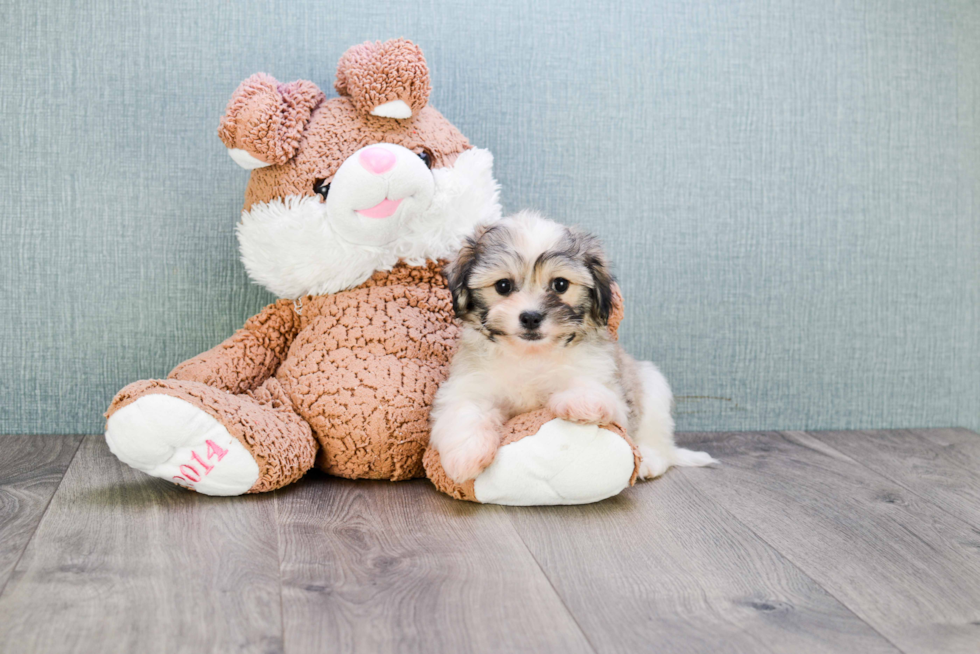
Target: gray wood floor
x=799, y=542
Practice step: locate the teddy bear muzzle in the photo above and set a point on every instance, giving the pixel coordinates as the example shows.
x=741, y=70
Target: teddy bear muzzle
x=376, y=192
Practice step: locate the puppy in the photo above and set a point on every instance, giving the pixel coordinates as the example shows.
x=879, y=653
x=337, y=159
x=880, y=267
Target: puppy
x=534, y=298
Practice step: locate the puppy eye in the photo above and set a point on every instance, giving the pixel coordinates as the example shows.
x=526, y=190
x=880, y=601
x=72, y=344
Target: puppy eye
x=504, y=286
x=560, y=284
x=426, y=158
x=321, y=187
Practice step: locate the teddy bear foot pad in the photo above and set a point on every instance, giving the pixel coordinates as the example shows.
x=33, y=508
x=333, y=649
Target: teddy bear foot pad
x=169, y=438
x=564, y=463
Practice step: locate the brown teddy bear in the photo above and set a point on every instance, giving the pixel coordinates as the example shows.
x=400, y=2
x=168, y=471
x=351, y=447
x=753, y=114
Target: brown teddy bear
x=352, y=206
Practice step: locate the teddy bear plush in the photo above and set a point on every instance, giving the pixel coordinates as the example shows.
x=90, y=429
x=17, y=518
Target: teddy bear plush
x=352, y=207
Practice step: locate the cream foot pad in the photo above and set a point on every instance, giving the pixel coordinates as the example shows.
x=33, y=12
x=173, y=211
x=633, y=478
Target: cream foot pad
x=174, y=440
x=564, y=463
x=544, y=460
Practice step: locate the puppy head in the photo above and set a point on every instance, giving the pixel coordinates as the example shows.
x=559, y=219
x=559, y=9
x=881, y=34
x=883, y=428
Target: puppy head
x=531, y=281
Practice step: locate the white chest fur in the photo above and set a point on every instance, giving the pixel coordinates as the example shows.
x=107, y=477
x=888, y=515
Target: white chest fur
x=525, y=377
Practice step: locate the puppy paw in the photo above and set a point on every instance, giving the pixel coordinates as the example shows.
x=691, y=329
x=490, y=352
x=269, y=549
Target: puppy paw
x=592, y=406
x=652, y=463
x=468, y=458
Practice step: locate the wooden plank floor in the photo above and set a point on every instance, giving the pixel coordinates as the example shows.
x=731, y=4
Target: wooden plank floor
x=799, y=542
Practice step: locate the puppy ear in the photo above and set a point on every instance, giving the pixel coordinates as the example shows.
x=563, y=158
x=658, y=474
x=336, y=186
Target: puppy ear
x=265, y=120
x=458, y=272
x=602, y=281
x=457, y=275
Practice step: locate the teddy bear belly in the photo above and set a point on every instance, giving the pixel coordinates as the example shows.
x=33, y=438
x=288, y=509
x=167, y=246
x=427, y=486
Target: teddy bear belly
x=366, y=385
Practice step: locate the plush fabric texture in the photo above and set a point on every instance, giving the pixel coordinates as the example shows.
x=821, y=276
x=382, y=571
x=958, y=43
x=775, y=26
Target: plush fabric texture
x=514, y=430
x=561, y=463
x=361, y=371
x=292, y=247
x=249, y=356
x=376, y=73
x=175, y=440
x=618, y=311
x=337, y=130
x=356, y=370
x=263, y=421
x=267, y=119
x=364, y=368
x=344, y=379
x=332, y=130
x=343, y=374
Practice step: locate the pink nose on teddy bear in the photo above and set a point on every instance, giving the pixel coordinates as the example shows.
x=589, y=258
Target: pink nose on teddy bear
x=377, y=160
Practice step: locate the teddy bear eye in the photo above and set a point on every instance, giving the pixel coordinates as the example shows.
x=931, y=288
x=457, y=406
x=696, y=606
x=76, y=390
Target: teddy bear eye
x=426, y=158
x=504, y=286
x=560, y=284
x=321, y=187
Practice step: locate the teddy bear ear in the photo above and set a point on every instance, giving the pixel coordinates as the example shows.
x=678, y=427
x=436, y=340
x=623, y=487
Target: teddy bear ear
x=389, y=79
x=264, y=121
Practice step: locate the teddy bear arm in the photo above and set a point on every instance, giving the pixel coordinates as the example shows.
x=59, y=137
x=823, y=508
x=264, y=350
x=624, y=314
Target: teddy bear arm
x=617, y=312
x=543, y=460
x=249, y=356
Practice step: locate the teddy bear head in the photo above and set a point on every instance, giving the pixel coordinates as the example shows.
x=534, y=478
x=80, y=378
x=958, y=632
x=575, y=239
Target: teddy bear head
x=343, y=187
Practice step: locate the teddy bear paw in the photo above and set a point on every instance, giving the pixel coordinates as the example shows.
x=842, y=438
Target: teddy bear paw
x=172, y=439
x=562, y=463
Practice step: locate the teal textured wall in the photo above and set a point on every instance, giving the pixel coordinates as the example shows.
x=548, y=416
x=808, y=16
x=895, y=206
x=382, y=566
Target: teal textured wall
x=790, y=190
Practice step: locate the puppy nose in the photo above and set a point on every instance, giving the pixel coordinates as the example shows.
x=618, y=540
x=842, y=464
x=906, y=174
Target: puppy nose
x=377, y=160
x=531, y=319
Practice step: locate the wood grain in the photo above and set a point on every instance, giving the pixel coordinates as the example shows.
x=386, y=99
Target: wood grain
x=853, y=542
x=31, y=467
x=123, y=562
x=910, y=458
x=662, y=568
x=906, y=567
x=961, y=446
x=381, y=567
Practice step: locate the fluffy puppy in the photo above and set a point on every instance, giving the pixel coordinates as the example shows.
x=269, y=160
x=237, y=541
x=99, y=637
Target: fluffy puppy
x=534, y=298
